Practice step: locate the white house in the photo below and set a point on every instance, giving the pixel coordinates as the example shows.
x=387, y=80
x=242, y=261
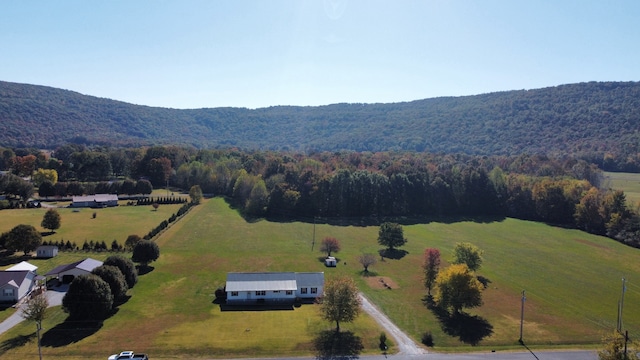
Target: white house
x=46, y=251
x=16, y=284
x=273, y=286
x=95, y=201
x=69, y=271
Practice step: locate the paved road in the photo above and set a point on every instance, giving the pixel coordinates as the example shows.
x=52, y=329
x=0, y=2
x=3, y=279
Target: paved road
x=54, y=296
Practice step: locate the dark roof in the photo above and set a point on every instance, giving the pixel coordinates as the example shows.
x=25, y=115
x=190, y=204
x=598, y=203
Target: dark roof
x=16, y=276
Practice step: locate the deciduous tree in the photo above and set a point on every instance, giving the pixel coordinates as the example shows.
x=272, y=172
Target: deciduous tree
x=23, y=238
x=431, y=267
x=456, y=287
x=614, y=348
x=367, y=260
x=340, y=302
x=145, y=251
x=126, y=266
x=114, y=277
x=469, y=254
x=330, y=245
x=131, y=242
x=391, y=235
x=88, y=298
x=195, y=194
x=51, y=220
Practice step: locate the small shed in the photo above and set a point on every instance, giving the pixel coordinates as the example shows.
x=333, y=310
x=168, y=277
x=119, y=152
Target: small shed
x=46, y=251
x=330, y=261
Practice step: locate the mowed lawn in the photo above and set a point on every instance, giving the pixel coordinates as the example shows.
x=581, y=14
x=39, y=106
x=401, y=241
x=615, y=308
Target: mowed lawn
x=572, y=282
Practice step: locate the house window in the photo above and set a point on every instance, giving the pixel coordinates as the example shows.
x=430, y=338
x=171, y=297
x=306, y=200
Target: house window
x=314, y=290
x=289, y=292
x=7, y=292
x=261, y=293
x=303, y=290
x=276, y=291
x=234, y=293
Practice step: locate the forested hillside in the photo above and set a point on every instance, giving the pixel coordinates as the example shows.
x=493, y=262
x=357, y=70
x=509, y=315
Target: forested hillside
x=595, y=121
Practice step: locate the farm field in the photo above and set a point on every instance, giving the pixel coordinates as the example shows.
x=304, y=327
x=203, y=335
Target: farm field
x=627, y=182
x=572, y=282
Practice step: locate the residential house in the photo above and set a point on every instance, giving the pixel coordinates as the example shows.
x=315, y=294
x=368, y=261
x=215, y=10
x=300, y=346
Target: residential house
x=16, y=284
x=46, y=251
x=67, y=272
x=23, y=266
x=273, y=286
x=95, y=201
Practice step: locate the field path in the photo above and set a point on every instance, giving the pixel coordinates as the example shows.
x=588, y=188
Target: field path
x=405, y=344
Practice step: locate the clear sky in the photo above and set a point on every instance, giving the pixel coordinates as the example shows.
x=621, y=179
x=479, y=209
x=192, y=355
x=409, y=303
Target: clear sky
x=193, y=54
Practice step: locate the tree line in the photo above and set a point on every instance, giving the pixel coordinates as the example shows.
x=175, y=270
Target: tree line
x=376, y=186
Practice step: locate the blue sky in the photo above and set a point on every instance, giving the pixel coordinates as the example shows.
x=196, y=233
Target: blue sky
x=193, y=54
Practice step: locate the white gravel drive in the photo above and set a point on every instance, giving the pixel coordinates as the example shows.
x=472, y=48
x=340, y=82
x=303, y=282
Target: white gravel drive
x=405, y=344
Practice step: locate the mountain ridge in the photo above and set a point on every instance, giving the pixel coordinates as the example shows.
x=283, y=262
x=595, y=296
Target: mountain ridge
x=590, y=119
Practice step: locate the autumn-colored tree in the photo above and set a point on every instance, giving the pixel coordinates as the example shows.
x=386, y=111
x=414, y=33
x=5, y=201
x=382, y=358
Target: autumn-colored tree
x=456, y=287
x=367, y=260
x=614, y=348
x=195, y=194
x=469, y=254
x=330, y=245
x=340, y=302
x=431, y=267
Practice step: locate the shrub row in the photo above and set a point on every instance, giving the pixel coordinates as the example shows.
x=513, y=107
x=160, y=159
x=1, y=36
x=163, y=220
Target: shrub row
x=164, y=224
x=162, y=200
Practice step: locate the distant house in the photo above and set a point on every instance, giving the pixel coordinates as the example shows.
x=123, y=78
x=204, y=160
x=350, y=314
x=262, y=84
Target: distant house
x=16, y=284
x=95, y=201
x=273, y=286
x=23, y=266
x=46, y=251
x=67, y=272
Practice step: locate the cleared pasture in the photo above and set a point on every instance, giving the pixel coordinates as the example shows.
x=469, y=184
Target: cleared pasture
x=572, y=282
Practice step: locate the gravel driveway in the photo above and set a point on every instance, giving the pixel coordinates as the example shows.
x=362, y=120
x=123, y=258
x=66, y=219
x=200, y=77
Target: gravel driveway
x=54, y=296
x=405, y=344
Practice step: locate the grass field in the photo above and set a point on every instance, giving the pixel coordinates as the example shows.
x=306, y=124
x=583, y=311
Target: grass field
x=627, y=182
x=572, y=282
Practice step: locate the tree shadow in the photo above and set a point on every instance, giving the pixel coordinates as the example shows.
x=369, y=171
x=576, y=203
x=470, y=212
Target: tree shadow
x=10, y=258
x=484, y=281
x=15, y=342
x=368, y=273
x=393, y=254
x=69, y=332
x=344, y=345
x=144, y=269
x=470, y=329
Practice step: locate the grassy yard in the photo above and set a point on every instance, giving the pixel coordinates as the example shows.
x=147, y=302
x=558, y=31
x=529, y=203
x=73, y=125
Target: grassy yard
x=627, y=182
x=572, y=282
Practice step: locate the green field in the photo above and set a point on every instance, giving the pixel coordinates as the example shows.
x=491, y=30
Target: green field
x=627, y=182
x=572, y=282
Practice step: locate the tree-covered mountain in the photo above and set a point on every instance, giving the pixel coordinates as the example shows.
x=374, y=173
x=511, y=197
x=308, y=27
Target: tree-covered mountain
x=598, y=121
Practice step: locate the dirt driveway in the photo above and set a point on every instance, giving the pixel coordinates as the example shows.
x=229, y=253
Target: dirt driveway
x=405, y=344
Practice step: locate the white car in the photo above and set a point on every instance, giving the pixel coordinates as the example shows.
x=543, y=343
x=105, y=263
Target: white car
x=128, y=355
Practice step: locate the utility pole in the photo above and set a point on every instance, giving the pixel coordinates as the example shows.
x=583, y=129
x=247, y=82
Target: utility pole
x=522, y=316
x=621, y=305
x=313, y=241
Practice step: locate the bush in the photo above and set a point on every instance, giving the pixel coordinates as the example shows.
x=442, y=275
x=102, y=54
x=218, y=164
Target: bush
x=427, y=339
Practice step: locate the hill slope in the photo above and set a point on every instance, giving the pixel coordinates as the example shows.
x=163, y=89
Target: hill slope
x=580, y=118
